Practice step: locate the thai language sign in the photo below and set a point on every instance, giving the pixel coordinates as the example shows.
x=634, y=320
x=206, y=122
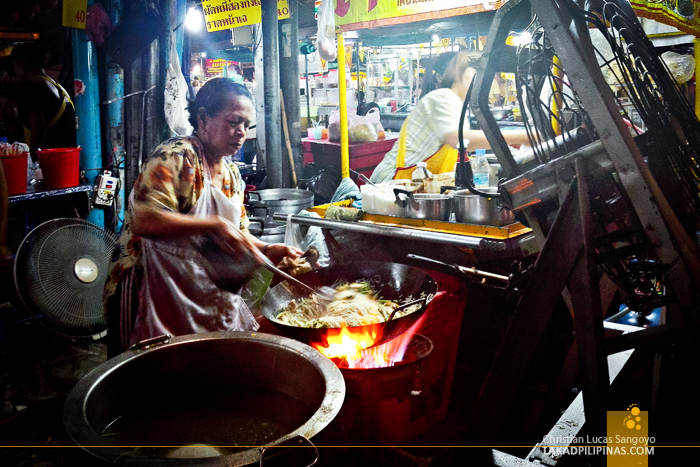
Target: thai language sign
x=681, y=14
x=216, y=66
x=369, y=13
x=227, y=14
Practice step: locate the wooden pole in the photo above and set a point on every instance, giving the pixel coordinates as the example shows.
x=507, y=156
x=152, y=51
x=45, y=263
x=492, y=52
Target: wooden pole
x=285, y=127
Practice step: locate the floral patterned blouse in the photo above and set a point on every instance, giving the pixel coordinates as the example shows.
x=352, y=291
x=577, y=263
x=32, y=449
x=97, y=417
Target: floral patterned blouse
x=173, y=180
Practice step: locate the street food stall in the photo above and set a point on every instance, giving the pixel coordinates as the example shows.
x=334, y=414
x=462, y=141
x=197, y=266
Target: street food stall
x=438, y=312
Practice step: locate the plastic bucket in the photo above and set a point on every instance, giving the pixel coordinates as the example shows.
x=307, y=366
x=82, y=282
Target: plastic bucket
x=60, y=167
x=15, y=166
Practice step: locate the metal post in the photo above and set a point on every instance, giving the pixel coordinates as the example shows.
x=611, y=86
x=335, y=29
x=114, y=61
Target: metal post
x=153, y=117
x=114, y=133
x=273, y=137
x=259, y=40
x=308, y=98
x=342, y=84
x=87, y=111
x=289, y=78
x=132, y=115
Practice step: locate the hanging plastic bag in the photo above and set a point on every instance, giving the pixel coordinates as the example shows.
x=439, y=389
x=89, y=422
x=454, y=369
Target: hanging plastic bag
x=325, y=39
x=176, y=94
x=682, y=67
x=97, y=24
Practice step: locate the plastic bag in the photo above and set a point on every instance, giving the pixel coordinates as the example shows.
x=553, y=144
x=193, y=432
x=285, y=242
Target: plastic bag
x=305, y=237
x=681, y=67
x=325, y=39
x=255, y=289
x=324, y=185
x=360, y=129
x=97, y=24
x=176, y=95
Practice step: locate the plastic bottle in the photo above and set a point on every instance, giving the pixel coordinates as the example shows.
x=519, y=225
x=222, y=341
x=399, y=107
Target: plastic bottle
x=421, y=172
x=480, y=168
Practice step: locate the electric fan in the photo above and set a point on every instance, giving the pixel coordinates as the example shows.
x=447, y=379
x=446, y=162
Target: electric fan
x=60, y=271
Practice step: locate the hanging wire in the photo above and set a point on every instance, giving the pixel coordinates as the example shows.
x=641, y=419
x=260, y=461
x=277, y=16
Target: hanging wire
x=653, y=106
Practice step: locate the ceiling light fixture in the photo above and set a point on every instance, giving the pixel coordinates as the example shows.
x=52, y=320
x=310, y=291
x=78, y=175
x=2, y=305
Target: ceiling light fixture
x=193, y=20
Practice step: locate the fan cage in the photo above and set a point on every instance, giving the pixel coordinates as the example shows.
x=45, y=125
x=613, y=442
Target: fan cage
x=46, y=280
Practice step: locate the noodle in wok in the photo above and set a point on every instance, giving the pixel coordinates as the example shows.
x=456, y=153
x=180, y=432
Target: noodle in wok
x=354, y=304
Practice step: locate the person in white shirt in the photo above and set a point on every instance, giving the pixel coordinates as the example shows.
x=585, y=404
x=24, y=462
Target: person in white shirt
x=430, y=132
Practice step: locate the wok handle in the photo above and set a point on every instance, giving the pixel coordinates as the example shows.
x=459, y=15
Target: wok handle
x=152, y=342
x=451, y=269
x=291, y=443
x=471, y=274
x=406, y=305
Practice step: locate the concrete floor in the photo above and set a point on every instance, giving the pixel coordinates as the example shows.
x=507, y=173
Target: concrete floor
x=41, y=368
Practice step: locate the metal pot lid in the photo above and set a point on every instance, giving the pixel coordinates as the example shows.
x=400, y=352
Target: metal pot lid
x=281, y=195
x=267, y=225
x=430, y=196
x=491, y=190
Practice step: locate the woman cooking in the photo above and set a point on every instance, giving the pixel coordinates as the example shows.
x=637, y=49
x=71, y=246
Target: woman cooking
x=186, y=190
x=430, y=132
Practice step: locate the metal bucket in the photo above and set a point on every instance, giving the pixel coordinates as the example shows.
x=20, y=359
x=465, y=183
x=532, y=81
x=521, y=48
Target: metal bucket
x=474, y=209
x=202, y=392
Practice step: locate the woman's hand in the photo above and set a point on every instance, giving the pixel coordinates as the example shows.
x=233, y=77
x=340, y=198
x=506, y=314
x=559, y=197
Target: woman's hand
x=279, y=251
x=233, y=236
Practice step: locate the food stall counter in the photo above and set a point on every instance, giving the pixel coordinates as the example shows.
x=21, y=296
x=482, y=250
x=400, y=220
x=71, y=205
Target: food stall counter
x=364, y=157
x=509, y=239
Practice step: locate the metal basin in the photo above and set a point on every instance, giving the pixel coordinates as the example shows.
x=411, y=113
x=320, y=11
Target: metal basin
x=474, y=209
x=201, y=391
x=265, y=203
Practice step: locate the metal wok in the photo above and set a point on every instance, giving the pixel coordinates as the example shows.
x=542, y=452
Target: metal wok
x=392, y=281
x=204, y=393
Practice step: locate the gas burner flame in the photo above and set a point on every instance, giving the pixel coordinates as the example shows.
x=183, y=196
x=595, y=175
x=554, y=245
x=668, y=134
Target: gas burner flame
x=350, y=348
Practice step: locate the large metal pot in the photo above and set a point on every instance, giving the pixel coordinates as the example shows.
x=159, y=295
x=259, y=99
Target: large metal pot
x=430, y=206
x=267, y=229
x=265, y=203
x=474, y=209
x=201, y=391
x=392, y=281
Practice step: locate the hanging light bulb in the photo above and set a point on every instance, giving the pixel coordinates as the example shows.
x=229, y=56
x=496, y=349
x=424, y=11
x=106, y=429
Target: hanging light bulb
x=193, y=20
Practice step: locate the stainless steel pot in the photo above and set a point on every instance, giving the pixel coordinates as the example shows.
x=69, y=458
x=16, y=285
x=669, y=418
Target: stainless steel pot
x=424, y=205
x=474, y=209
x=267, y=229
x=265, y=203
x=202, y=391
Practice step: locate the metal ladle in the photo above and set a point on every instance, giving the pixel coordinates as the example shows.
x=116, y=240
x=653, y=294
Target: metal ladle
x=324, y=294
x=363, y=177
